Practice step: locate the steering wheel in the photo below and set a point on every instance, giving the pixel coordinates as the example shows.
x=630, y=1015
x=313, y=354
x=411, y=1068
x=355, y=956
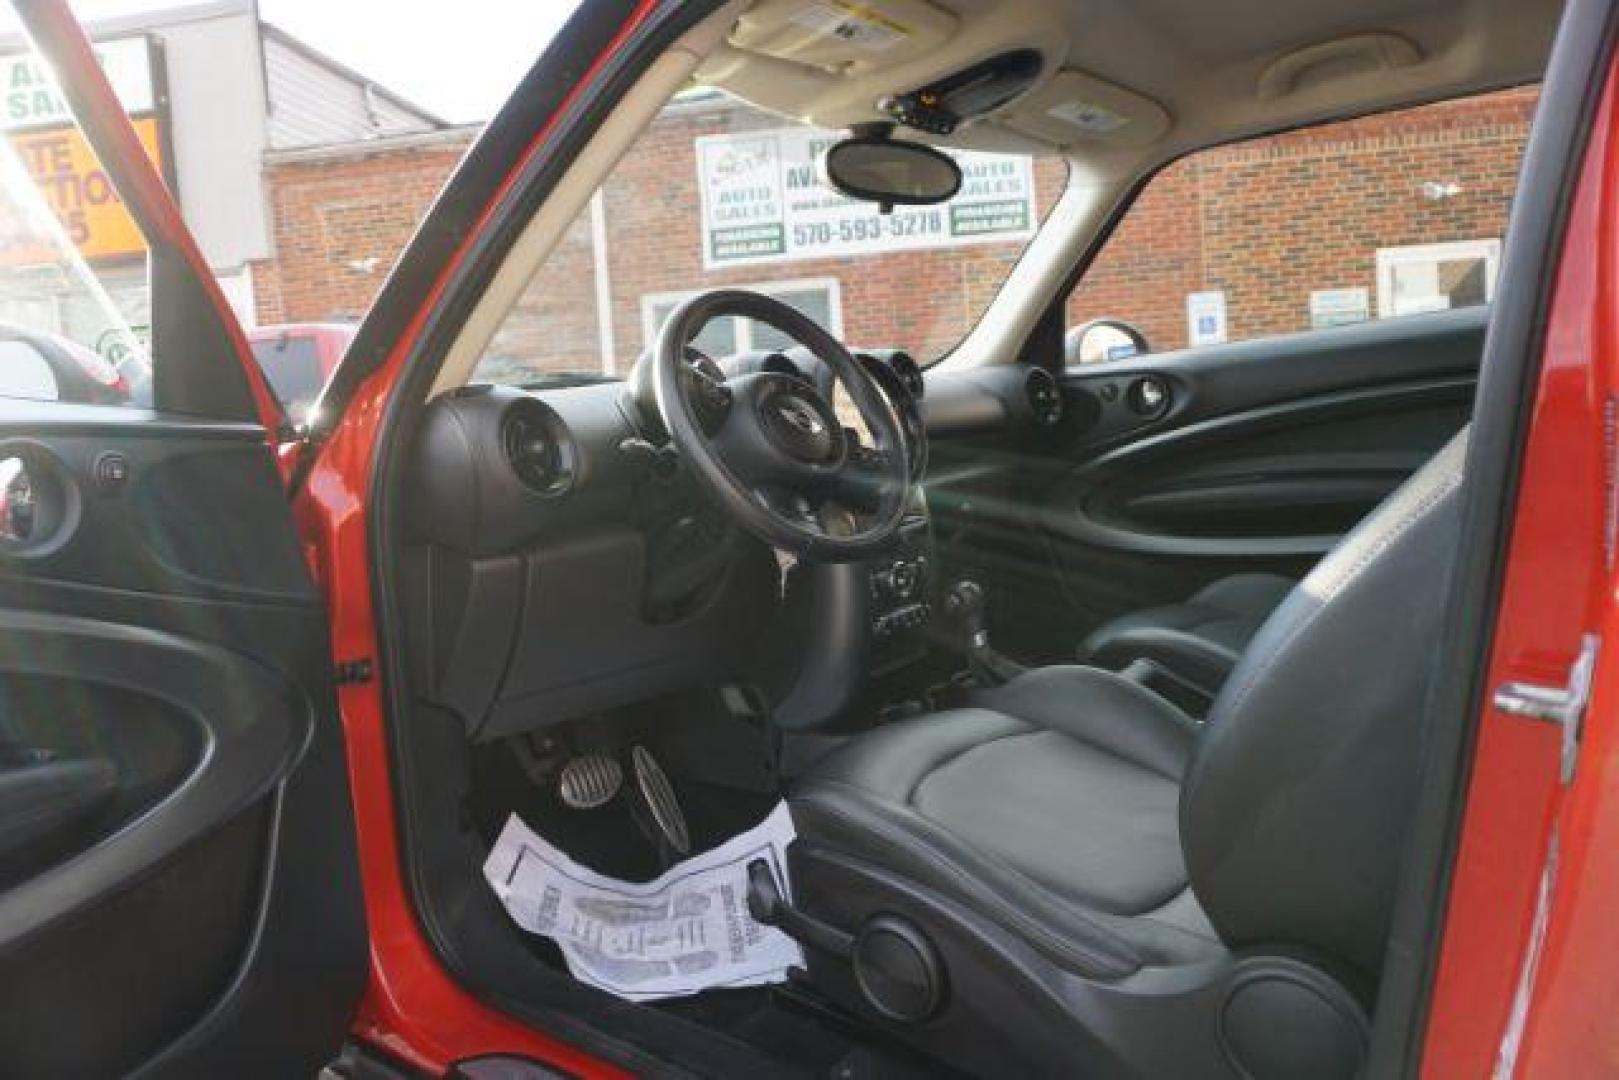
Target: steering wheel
x=769, y=448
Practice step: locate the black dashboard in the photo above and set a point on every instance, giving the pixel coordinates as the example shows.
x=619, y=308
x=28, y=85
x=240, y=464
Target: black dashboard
x=558, y=563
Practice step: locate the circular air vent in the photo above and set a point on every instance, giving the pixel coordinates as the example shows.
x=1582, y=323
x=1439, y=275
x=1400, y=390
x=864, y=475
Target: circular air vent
x=536, y=446
x=909, y=372
x=1044, y=397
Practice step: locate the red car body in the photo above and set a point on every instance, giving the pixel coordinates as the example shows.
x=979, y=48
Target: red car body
x=1526, y=969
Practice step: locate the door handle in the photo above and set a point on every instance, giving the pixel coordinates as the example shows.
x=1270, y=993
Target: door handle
x=1561, y=705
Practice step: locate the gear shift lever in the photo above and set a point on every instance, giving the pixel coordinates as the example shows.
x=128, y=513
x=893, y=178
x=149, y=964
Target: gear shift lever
x=964, y=604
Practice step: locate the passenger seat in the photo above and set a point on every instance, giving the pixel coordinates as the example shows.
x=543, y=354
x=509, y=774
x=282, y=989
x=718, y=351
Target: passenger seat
x=1188, y=649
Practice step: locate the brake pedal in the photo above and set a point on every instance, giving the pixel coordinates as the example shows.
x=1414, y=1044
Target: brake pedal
x=589, y=781
x=658, y=795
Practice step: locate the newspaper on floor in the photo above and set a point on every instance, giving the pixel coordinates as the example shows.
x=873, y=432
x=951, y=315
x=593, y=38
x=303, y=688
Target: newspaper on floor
x=688, y=931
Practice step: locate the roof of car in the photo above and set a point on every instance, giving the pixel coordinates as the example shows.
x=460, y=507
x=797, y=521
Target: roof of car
x=1181, y=73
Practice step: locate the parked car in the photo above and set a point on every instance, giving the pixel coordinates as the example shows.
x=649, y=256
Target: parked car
x=298, y=358
x=48, y=367
x=1238, y=710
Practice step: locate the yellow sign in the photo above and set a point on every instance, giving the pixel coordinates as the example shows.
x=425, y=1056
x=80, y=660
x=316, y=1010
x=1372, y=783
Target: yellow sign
x=78, y=189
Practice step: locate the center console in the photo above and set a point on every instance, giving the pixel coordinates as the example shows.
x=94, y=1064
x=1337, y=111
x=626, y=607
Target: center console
x=900, y=586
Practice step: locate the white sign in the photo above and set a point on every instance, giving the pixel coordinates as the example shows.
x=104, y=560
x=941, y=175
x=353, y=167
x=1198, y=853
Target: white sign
x=1339, y=307
x=763, y=201
x=856, y=24
x=688, y=931
x=1205, y=318
x=30, y=98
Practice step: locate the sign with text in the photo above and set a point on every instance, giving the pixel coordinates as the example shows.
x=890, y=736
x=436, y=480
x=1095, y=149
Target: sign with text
x=763, y=201
x=31, y=99
x=79, y=192
x=1205, y=318
x=1339, y=307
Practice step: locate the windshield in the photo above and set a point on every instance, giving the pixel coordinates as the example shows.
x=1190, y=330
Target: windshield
x=718, y=193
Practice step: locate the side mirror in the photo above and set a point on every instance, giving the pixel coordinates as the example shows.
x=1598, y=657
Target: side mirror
x=890, y=172
x=1103, y=339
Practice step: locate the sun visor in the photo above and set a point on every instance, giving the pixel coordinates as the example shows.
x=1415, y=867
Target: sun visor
x=1073, y=108
x=844, y=35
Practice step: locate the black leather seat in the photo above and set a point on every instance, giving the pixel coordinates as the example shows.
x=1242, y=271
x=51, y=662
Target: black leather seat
x=1198, y=641
x=1072, y=877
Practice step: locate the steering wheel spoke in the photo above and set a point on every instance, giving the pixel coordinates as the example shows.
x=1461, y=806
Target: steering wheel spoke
x=793, y=505
x=866, y=481
x=709, y=393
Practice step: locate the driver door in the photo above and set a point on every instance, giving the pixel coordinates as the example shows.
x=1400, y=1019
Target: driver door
x=179, y=887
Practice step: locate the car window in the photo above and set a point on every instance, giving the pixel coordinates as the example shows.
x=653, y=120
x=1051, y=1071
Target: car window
x=718, y=193
x=292, y=364
x=1384, y=216
x=74, y=293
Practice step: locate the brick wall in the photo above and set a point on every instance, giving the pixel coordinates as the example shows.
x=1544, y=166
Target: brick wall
x=339, y=220
x=1266, y=221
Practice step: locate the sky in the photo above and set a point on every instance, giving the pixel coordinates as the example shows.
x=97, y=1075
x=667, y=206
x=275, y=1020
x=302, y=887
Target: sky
x=461, y=66
x=457, y=58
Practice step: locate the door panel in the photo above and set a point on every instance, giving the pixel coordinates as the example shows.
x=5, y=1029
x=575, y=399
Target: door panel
x=1263, y=454
x=1277, y=482
x=179, y=889
x=166, y=710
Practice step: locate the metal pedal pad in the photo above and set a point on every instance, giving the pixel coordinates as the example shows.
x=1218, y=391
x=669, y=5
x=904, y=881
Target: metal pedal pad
x=589, y=781
x=659, y=795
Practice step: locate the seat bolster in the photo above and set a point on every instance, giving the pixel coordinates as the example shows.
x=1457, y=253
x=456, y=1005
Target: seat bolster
x=847, y=819
x=1164, y=617
x=892, y=760
x=1253, y=596
x=1199, y=640
x=1103, y=709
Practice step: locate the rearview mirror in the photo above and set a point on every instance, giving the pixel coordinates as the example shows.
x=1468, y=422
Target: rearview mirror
x=890, y=172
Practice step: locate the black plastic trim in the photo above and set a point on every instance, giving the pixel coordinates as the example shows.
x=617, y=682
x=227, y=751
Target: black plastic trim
x=1072, y=523
x=240, y=709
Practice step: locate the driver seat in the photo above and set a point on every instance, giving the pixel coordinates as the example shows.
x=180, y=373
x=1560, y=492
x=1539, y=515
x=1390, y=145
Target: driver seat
x=1071, y=877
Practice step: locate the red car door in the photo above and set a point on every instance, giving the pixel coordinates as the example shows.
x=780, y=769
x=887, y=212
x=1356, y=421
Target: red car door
x=179, y=886
x=1526, y=983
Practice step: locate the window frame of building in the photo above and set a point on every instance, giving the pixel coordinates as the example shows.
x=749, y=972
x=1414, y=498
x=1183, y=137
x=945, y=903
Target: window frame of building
x=652, y=303
x=1390, y=259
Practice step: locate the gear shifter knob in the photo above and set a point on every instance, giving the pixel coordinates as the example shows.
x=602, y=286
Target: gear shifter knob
x=964, y=604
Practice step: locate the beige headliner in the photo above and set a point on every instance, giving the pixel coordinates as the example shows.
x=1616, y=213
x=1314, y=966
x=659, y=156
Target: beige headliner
x=1219, y=69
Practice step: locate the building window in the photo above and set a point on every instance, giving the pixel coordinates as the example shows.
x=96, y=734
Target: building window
x=817, y=297
x=1436, y=277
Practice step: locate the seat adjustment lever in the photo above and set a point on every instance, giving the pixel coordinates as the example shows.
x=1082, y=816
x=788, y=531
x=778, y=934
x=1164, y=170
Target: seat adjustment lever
x=769, y=908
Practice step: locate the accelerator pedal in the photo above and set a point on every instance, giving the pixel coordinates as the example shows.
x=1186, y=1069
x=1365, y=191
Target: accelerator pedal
x=662, y=805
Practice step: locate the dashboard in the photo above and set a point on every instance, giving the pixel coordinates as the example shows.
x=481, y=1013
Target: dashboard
x=559, y=563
